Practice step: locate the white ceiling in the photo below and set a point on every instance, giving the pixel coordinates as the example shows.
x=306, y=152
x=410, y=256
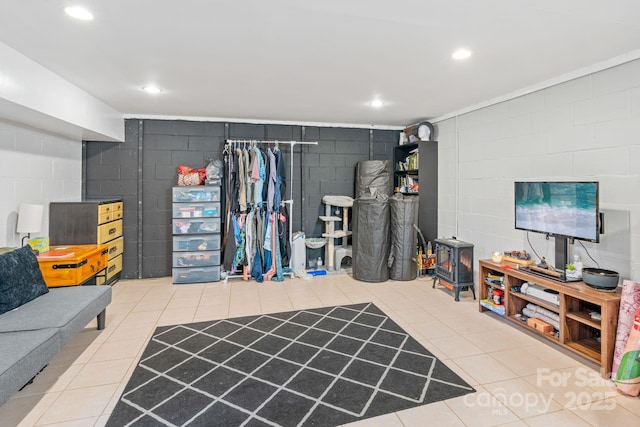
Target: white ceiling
x=316, y=61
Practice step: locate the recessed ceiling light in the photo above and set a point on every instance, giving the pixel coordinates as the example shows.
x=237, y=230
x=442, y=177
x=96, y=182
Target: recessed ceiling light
x=377, y=103
x=152, y=89
x=79, y=13
x=461, y=54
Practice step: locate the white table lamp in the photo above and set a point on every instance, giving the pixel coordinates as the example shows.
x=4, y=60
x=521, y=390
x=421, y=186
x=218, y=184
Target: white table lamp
x=29, y=219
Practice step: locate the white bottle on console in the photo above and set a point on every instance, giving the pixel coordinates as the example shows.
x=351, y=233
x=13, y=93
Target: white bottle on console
x=577, y=264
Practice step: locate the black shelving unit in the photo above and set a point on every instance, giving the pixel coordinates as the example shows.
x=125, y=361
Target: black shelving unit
x=425, y=172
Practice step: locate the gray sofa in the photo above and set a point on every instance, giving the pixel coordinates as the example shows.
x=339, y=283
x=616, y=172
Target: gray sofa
x=33, y=333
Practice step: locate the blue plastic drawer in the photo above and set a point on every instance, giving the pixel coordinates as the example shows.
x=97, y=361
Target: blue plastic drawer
x=196, y=210
x=196, y=275
x=196, y=226
x=196, y=259
x=197, y=193
x=196, y=243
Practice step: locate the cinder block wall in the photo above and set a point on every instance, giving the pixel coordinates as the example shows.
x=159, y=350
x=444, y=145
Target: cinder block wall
x=584, y=129
x=36, y=167
x=143, y=169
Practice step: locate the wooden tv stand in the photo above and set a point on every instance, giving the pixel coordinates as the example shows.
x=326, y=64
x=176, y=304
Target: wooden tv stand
x=579, y=332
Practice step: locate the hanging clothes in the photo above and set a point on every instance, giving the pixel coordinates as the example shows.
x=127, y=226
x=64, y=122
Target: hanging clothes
x=271, y=182
x=242, y=187
x=240, y=258
x=229, y=241
x=283, y=234
x=233, y=182
x=267, y=171
x=281, y=185
x=257, y=220
x=247, y=177
x=250, y=239
x=258, y=175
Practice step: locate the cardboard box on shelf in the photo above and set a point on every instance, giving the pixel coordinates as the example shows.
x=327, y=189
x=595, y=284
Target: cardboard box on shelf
x=540, y=325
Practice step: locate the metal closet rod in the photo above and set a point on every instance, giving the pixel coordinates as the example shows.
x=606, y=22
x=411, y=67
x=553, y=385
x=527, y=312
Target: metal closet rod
x=269, y=141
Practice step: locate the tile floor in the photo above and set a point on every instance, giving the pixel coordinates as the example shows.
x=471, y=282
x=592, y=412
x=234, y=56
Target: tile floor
x=520, y=381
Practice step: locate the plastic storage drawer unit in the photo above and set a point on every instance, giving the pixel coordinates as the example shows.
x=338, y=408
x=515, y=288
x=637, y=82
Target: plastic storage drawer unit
x=196, y=226
x=196, y=193
x=196, y=259
x=196, y=243
x=196, y=275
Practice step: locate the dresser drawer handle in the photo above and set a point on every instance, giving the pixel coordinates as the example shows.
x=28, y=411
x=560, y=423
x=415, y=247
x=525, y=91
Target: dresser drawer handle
x=113, y=249
x=112, y=231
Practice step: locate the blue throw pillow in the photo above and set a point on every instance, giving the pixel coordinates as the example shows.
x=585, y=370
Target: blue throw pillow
x=20, y=278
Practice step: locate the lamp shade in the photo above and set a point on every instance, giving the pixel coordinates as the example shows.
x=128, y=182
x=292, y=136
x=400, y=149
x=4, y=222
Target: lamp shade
x=29, y=218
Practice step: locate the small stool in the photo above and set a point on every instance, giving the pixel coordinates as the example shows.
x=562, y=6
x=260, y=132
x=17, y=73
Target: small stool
x=341, y=252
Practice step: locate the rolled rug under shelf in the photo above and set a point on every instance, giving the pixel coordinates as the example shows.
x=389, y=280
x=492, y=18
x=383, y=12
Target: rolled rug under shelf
x=629, y=305
x=536, y=315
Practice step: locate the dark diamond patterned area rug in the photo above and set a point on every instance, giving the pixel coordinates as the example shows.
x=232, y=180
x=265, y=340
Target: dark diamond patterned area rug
x=320, y=367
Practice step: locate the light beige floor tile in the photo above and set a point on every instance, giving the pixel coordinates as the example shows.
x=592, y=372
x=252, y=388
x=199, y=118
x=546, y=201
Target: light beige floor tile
x=101, y=373
x=522, y=398
x=607, y=413
x=178, y=303
x=158, y=304
x=500, y=338
x=480, y=409
x=451, y=364
x=522, y=360
x=86, y=337
x=413, y=315
x=555, y=356
x=428, y=345
x=473, y=323
x=514, y=424
x=570, y=386
x=25, y=410
x=485, y=369
x=51, y=379
x=177, y=316
x=303, y=303
x=455, y=346
x=114, y=350
x=77, y=404
x=389, y=420
x=432, y=329
x=436, y=414
x=276, y=306
x=212, y=312
x=135, y=318
x=83, y=422
x=125, y=333
x=117, y=394
x=557, y=419
x=631, y=404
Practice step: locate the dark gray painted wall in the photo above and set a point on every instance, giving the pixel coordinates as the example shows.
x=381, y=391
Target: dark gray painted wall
x=113, y=170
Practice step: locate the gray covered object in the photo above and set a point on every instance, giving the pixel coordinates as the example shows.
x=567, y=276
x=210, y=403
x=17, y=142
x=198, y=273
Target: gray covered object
x=374, y=176
x=404, y=237
x=32, y=334
x=370, y=241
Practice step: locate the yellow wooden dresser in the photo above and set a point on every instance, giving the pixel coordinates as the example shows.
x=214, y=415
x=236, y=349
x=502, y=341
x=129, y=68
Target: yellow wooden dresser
x=90, y=222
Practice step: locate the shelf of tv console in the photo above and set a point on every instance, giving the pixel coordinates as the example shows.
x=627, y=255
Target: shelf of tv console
x=591, y=338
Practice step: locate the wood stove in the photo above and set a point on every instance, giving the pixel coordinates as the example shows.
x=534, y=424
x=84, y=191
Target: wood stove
x=454, y=265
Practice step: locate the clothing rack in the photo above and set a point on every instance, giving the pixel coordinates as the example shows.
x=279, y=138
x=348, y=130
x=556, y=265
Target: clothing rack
x=276, y=143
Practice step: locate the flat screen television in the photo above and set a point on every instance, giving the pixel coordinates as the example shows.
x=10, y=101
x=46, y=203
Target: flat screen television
x=560, y=209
